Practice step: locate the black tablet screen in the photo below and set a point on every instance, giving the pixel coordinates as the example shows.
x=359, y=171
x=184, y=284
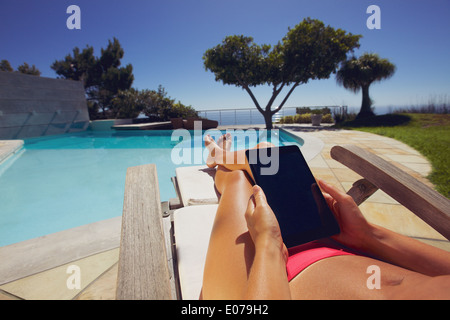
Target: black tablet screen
x=293, y=194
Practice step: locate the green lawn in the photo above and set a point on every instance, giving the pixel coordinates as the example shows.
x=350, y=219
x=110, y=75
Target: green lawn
x=427, y=133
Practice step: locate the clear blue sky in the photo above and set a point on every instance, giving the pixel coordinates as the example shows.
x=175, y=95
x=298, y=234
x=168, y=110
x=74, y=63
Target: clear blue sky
x=164, y=40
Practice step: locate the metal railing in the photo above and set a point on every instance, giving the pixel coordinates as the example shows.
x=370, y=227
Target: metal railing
x=247, y=116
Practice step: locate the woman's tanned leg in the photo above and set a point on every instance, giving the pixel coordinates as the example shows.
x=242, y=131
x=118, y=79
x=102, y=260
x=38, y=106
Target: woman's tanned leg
x=231, y=251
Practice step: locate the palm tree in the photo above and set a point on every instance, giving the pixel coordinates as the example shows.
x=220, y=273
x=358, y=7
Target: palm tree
x=356, y=74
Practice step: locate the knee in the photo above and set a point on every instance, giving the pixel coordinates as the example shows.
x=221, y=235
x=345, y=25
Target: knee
x=236, y=176
x=264, y=144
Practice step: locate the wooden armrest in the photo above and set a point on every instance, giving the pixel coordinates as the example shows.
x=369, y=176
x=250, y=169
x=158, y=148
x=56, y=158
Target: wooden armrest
x=423, y=201
x=361, y=190
x=143, y=267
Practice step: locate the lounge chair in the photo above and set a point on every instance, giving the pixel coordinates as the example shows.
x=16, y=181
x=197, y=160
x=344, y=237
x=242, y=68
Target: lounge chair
x=206, y=123
x=179, y=123
x=162, y=252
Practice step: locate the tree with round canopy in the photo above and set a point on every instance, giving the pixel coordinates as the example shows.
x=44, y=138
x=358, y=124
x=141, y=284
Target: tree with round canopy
x=309, y=51
x=359, y=73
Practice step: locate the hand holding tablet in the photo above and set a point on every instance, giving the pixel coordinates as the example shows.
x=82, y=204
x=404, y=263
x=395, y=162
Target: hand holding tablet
x=293, y=194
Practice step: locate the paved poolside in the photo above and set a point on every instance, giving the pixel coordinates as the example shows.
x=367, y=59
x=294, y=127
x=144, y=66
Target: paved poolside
x=9, y=147
x=31, y=271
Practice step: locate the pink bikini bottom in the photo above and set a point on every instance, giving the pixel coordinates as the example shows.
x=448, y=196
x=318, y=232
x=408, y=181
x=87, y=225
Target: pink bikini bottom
x=306, y=254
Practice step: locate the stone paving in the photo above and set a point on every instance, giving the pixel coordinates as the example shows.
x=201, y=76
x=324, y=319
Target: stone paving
x=99, y=271
x=9, y=147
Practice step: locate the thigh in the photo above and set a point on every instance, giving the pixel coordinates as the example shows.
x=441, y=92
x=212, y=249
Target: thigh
x=231, y=250
x=350, y=277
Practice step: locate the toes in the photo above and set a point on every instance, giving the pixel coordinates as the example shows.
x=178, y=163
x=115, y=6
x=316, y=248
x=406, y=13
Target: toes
x=209, y=142
x=207, y=139
x=227, y=142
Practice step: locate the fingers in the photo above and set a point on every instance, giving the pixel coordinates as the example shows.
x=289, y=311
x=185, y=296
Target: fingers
x=261, y=221
x=250, y=207
x=329, y=199
x=333, y=192
x=258, y=198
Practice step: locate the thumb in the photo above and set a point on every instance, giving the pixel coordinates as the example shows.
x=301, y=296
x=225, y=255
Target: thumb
x=250, y=207
x=332, y=191
x=259, y=196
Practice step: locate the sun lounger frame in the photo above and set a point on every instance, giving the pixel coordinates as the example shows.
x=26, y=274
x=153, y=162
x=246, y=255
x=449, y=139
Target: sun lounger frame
x=145, y=260
x=426, y=203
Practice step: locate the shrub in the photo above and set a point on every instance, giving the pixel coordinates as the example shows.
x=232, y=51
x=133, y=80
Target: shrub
x=159, y=104
x=287, y=119
x=305, y=118
x=179, y=110
x=306, y=110
x=327, y=118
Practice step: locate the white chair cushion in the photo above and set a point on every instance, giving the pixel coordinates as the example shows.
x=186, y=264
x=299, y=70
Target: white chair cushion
x=196, y=185
x=192, y=229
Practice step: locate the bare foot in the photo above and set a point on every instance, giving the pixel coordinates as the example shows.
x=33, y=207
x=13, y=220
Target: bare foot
x=216, y=150
x=225, y=141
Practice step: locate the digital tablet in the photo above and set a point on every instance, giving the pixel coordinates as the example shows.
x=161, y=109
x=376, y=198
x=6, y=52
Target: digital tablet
x=293, y=194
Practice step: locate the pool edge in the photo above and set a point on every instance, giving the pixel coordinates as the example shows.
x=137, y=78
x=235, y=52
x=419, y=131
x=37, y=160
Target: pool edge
x=311, y=147
x=9, y=148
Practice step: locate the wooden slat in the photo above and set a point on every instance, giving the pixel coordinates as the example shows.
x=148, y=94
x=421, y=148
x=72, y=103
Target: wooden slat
x=423, y=201
x=361, y=190
x=143, y=270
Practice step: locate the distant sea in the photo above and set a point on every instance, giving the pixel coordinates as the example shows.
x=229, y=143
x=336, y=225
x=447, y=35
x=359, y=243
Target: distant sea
x=253, y=116
x=244, y=116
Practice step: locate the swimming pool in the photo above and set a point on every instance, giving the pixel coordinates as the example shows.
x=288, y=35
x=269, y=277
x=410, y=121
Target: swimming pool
x=60, y=182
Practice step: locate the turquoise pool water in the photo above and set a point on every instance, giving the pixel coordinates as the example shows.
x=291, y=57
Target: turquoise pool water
x=60, y=182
